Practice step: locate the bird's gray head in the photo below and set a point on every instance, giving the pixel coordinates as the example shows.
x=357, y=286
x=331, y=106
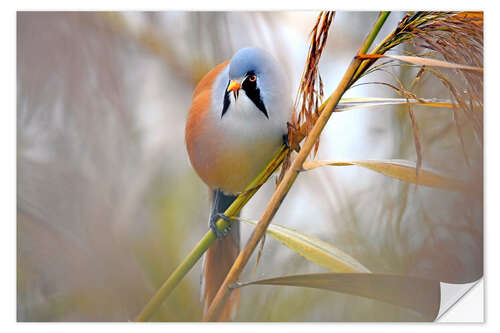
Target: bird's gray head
x=260, y=76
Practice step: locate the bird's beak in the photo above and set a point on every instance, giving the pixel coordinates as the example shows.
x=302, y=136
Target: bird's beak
x=234, y=86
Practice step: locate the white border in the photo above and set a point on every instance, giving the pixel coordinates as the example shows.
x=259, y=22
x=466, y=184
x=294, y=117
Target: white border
x=8, y=144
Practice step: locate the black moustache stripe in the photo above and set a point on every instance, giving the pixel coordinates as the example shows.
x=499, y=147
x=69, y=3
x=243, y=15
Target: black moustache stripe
x=254, y=96
x=227, y=101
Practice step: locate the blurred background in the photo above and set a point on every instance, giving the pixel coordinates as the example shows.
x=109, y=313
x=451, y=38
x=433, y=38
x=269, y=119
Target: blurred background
x=108, y=204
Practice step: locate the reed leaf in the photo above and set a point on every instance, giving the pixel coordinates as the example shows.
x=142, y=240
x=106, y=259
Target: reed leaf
x=414, y=293
x=350, y=103
x=313, y=249
x=402, y=170
x=423, y=61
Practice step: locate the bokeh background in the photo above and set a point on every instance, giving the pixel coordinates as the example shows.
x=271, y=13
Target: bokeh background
x=108, y=204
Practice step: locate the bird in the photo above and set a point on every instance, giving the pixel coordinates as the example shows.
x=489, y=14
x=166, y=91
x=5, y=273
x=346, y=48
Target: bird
x=236, y=123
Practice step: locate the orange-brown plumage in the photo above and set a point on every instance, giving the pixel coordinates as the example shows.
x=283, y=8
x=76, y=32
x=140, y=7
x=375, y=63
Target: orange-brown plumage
x=199, y=136
x=200, y=106
x=221, y=255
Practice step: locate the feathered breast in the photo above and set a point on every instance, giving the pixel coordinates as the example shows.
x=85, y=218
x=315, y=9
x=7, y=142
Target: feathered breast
x=197, y=118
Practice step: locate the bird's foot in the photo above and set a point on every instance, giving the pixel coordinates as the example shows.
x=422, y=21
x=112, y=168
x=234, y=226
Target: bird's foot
x=213, y=225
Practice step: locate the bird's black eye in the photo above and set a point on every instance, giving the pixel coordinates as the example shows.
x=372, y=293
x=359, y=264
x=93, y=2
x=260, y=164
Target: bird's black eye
x=252, y=78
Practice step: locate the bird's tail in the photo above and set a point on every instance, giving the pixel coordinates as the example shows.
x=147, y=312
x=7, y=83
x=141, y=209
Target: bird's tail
x=219, y=258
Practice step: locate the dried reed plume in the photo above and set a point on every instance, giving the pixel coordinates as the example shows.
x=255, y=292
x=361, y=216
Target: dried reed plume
x=455, y=38
x=310, y=93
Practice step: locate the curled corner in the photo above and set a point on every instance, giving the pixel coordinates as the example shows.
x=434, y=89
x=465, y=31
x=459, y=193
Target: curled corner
x=452, y=294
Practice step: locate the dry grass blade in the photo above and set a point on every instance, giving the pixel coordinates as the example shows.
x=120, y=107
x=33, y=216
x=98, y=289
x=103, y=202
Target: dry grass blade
x=314, y=249
x=417, y=294
x=417, y=78
x=423, y=61
x=402, y=170
x=346, y=104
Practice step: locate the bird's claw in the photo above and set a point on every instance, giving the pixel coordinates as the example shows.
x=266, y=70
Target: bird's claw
x=213, y=225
